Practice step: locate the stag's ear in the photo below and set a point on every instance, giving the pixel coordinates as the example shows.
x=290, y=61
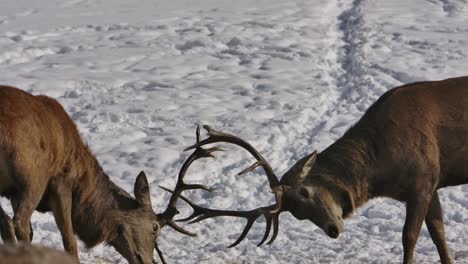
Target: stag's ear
x=299, y=171
x=141, y=190
x=347, y=203
x=308, y=164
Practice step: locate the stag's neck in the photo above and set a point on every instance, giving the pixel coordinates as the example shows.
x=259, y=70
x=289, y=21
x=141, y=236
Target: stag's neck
x=350, y=162
x=95, y=203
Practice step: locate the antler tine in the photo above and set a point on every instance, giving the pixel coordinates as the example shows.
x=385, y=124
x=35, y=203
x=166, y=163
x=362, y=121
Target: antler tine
x=267, y=230
x=171, y=210
x=179, y=229
x=275, y=228
x=160, y=254
x=249, y=169
x=217, y=136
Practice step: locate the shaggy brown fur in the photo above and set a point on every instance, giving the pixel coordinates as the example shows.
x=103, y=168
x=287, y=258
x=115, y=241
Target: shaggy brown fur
x=44, y=165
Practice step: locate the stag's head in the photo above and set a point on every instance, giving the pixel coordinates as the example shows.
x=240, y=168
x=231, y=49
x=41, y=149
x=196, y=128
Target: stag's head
x=138, y=229
x=305, y=191
x=313, y=195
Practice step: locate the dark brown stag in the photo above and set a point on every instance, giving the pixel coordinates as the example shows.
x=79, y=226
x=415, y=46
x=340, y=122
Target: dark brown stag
x=45, y=166
x=410, y=143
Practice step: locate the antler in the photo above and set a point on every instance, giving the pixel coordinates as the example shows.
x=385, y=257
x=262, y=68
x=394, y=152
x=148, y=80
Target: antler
x=271, y=213
x=166, y=218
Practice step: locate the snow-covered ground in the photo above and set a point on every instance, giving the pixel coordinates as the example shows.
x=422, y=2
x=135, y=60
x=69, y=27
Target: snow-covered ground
x=288, y=76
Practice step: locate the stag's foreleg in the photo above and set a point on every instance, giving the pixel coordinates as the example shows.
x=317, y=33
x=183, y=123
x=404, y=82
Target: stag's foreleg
x=435, y=225
x=417, y=207
x=15, y=205
x=7, y=229
x=60, y=202
x=27, y=203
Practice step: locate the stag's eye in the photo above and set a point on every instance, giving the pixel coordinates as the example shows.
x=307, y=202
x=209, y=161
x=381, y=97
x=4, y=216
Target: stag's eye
x=155, y=228
x=304, y=193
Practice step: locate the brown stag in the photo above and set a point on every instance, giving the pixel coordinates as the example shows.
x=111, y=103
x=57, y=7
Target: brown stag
x=410, y=143
x=45, y=166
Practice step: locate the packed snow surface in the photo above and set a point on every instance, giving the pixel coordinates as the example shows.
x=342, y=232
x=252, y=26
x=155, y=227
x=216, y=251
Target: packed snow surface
x=288, y=76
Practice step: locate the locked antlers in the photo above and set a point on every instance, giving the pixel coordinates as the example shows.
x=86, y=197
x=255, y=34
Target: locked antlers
x=167, y=217
x=271, y=213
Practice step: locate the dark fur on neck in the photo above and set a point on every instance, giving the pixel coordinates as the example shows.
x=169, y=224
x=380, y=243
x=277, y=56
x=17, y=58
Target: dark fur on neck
x=348, y=164
x=351, y=162
x=95, y=205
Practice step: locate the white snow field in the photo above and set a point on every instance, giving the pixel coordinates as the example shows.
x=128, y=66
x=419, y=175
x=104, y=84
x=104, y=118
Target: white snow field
x=289, y=76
